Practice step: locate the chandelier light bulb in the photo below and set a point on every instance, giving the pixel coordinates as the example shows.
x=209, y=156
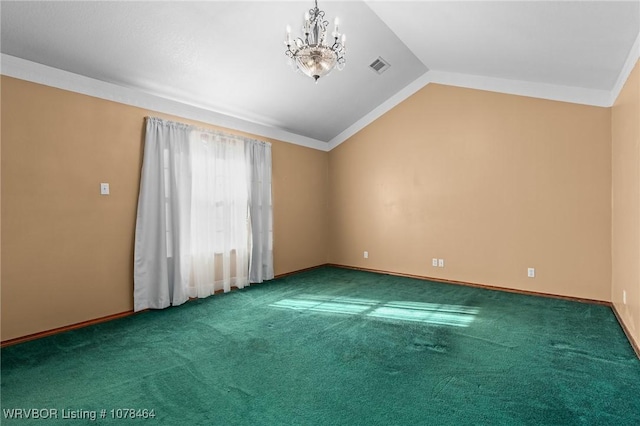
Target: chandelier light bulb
x=287, y=36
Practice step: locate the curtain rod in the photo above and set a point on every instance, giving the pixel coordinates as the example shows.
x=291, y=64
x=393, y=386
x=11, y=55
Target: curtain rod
x=202, y=129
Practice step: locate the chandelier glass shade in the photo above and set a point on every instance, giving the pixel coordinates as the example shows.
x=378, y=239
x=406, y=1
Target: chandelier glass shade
x=314, y=54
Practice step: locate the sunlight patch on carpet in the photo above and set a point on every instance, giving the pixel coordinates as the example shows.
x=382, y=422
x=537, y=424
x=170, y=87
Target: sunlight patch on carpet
x=430, y=313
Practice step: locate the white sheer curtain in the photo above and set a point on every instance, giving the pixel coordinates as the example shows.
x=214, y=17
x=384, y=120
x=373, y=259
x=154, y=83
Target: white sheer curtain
x=260, y=211
x=194, y=230
x=219, y=203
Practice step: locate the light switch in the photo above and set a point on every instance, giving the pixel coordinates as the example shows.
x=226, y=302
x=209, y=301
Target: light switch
x=104, y=189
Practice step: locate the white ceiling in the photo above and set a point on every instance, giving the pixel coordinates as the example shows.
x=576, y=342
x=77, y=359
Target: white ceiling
x=227, y=57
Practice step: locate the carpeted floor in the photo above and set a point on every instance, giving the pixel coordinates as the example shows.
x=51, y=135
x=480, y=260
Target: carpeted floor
x=336, y=347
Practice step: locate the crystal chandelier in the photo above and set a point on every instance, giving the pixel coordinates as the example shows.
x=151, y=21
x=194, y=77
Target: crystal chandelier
x=313, y=54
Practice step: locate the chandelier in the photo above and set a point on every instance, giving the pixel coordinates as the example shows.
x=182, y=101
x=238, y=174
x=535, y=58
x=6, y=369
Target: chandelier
x=313, y=54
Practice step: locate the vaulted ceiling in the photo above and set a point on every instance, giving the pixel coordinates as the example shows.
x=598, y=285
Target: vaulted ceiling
x=225, y=59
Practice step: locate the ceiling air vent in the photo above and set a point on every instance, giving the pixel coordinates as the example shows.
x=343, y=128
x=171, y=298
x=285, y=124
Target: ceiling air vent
x=379, y=65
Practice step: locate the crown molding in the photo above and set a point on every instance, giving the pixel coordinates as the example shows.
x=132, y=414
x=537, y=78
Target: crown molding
x=381, y=109
x=577, y=95
x=630, y=63
x=37, y=73
x=22, y=69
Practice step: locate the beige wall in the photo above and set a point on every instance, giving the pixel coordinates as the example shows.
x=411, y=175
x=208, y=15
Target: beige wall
x=491, y=183
x=67, y=251
x=625, y=132
x=300, y=191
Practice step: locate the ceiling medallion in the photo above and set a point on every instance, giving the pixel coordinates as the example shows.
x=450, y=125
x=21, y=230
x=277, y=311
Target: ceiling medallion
x=313, y=54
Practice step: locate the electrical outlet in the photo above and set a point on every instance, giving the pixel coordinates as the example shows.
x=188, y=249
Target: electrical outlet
x=434, y=262
x=531, y=272
x=624, y=297
x=441, y=263
x=366, y=254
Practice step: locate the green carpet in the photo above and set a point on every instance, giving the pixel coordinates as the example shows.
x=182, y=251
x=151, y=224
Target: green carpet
x=337, y=347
